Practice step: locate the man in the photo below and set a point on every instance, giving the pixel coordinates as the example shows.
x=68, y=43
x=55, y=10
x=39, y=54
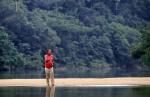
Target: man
x=49, y=63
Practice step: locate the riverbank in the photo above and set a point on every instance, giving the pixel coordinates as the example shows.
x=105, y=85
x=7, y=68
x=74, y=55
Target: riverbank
x=79, y=82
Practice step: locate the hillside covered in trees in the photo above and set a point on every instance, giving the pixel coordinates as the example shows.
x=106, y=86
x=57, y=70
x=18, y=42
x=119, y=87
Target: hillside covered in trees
x=81, y=33
x=141, y=50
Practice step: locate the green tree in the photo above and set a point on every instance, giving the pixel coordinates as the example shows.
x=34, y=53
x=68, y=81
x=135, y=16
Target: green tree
x=9, y=57
x=142, y=50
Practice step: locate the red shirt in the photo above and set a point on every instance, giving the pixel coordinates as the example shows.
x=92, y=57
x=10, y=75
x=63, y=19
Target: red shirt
x=49, y=61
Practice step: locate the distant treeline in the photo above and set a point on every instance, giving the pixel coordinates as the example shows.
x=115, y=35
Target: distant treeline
x=81, y=33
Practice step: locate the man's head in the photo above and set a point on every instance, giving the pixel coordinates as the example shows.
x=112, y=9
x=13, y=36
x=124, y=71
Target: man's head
x=49, y=52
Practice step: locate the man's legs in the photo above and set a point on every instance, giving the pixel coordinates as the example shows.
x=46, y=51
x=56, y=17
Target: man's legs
x=52, y=76
x=47, y=74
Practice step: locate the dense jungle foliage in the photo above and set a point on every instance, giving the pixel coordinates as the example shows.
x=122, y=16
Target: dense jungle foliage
x=81, y=33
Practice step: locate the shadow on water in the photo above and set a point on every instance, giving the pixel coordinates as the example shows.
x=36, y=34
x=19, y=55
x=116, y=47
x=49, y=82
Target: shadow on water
x=75, y=92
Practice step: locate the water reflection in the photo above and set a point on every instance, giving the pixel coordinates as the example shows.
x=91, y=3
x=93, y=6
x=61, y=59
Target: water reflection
x=50, y=91
x=75, y=91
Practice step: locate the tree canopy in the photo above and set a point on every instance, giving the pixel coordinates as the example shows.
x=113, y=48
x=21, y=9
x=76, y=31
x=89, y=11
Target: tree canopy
x=141, y=50
x=81, y=33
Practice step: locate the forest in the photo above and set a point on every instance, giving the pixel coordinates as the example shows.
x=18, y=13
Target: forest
x=84, y=34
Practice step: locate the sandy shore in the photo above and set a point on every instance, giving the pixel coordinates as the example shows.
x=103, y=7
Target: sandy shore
x=79, y=82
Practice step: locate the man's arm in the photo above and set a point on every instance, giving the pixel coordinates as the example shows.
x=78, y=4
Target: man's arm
x=52, y=59
x=44, y=60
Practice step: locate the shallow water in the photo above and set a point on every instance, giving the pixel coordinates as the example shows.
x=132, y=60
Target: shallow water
x=75, y=92
x=73, y=74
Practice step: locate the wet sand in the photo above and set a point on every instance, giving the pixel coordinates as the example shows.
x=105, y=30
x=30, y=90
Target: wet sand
x=79, y=82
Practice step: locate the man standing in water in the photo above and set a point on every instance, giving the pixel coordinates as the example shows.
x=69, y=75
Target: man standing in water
x=49, y=62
